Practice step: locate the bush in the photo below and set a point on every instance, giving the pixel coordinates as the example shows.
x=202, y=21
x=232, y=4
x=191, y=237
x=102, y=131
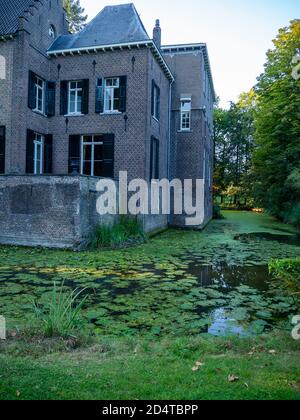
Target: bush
x=288, y=272
x=292, y=214
x=59, y=316
x=127, y=230
x=217, y=212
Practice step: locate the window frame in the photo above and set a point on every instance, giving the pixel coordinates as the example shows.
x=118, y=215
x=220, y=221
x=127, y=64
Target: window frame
x=39, y=141
x=52, y=31
x=39, y=88
x=156, y=102
x=76, y=90
x=185, y=115
x=92, y=144
x=112, y=89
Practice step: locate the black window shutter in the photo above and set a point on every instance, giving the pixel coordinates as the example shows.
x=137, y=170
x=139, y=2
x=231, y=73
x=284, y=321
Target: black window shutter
x=31, y=90
x=154, y=159
x=50, y=99
x=48, y=145
x=152, y=98
x=74, y=154
x=99, y=106
x=2, y=150
x=108, y=155
x=85, y=96
x=123, y=90
x=63, y=97
x=158, y=103
x=30, y=152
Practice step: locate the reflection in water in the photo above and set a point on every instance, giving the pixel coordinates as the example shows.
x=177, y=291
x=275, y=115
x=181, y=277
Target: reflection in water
x=228, y=277
x=290, y=239
x=222, y=325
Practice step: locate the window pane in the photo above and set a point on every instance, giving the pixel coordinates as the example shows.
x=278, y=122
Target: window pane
x=116, y=82
x=98, y=169
x=87, y=152
x=87, y=168
x=88, y=139
x=186, y=106
x=116, y=104
x=79, y=101
x=98, y=139
x=98, y=152
x=108, y=99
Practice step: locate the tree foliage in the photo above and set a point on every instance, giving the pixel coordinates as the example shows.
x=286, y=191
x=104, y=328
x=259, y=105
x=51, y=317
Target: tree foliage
x=276, y=161
x=233, y=149
x=75, y=15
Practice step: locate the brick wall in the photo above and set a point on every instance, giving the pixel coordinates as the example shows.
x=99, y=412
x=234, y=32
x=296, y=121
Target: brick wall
x=191, y=151
x=6, y=57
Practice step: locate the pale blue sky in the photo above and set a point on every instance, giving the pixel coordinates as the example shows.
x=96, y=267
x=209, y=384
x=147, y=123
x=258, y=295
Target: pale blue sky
x=238, y=32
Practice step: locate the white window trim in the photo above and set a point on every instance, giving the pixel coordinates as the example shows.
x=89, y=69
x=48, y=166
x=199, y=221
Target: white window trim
x=76, y=90
x=39, y=141
x=112, y=90
x=92, y=144
x=42, y=89
x=52, y=32
x=183, y=113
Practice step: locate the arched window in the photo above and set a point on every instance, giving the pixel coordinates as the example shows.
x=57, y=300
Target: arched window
x=52, y=32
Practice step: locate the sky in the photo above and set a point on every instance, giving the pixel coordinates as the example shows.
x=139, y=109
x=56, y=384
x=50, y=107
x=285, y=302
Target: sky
x=238, y=33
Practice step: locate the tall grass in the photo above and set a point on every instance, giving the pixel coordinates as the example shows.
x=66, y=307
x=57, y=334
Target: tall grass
x=59, y=316
x=126, y=230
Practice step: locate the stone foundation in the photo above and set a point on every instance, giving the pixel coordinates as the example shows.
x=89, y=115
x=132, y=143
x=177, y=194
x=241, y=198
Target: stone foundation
x=53, y=211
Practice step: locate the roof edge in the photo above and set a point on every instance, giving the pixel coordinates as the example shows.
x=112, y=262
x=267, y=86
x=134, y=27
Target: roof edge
x=201, y=46
x=103, y=48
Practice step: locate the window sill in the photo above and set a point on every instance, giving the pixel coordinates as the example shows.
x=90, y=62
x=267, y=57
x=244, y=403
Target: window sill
x=42, y=114
x=74, y=115
x=184, y=131
x=111, y=113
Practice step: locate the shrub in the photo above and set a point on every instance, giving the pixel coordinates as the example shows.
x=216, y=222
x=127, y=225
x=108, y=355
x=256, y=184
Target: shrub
x=291, y=214
x=59, y=315
x=288, y=272
x=126, y=230
x=217, y=212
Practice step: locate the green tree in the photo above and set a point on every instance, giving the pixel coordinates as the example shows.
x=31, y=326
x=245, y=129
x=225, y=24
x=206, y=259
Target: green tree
x=234, y=145
x=75, y=15
x=276, y=159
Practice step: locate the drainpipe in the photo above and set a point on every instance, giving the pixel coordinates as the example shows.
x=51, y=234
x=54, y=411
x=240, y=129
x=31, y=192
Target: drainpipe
x=169, y=139
x=169, y=130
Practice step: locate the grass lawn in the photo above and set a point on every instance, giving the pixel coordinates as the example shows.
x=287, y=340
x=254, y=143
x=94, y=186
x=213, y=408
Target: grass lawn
x=160, y=369
x=149, y=309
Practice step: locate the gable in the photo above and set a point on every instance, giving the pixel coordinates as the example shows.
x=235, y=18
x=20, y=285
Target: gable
x=112, y=26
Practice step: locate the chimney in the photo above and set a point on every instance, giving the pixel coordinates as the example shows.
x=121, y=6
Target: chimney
x=157, y=34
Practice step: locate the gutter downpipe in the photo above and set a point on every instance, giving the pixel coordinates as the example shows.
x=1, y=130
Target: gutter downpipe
x=169, y=138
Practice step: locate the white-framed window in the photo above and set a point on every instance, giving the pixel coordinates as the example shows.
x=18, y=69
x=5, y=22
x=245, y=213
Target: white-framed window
x=75, y=93
x=185, y=115
x=156, y=102
x=112, y=95
x=38, y=159
x=39, y=94
x=91, y=156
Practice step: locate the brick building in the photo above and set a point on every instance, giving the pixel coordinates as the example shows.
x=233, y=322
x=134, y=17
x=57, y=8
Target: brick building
x=90, y=105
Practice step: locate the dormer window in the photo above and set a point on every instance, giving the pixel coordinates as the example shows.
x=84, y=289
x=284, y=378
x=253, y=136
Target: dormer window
x=52, y=32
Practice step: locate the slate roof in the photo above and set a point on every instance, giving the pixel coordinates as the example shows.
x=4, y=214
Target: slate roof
x=10, y=11
x=114, y=25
